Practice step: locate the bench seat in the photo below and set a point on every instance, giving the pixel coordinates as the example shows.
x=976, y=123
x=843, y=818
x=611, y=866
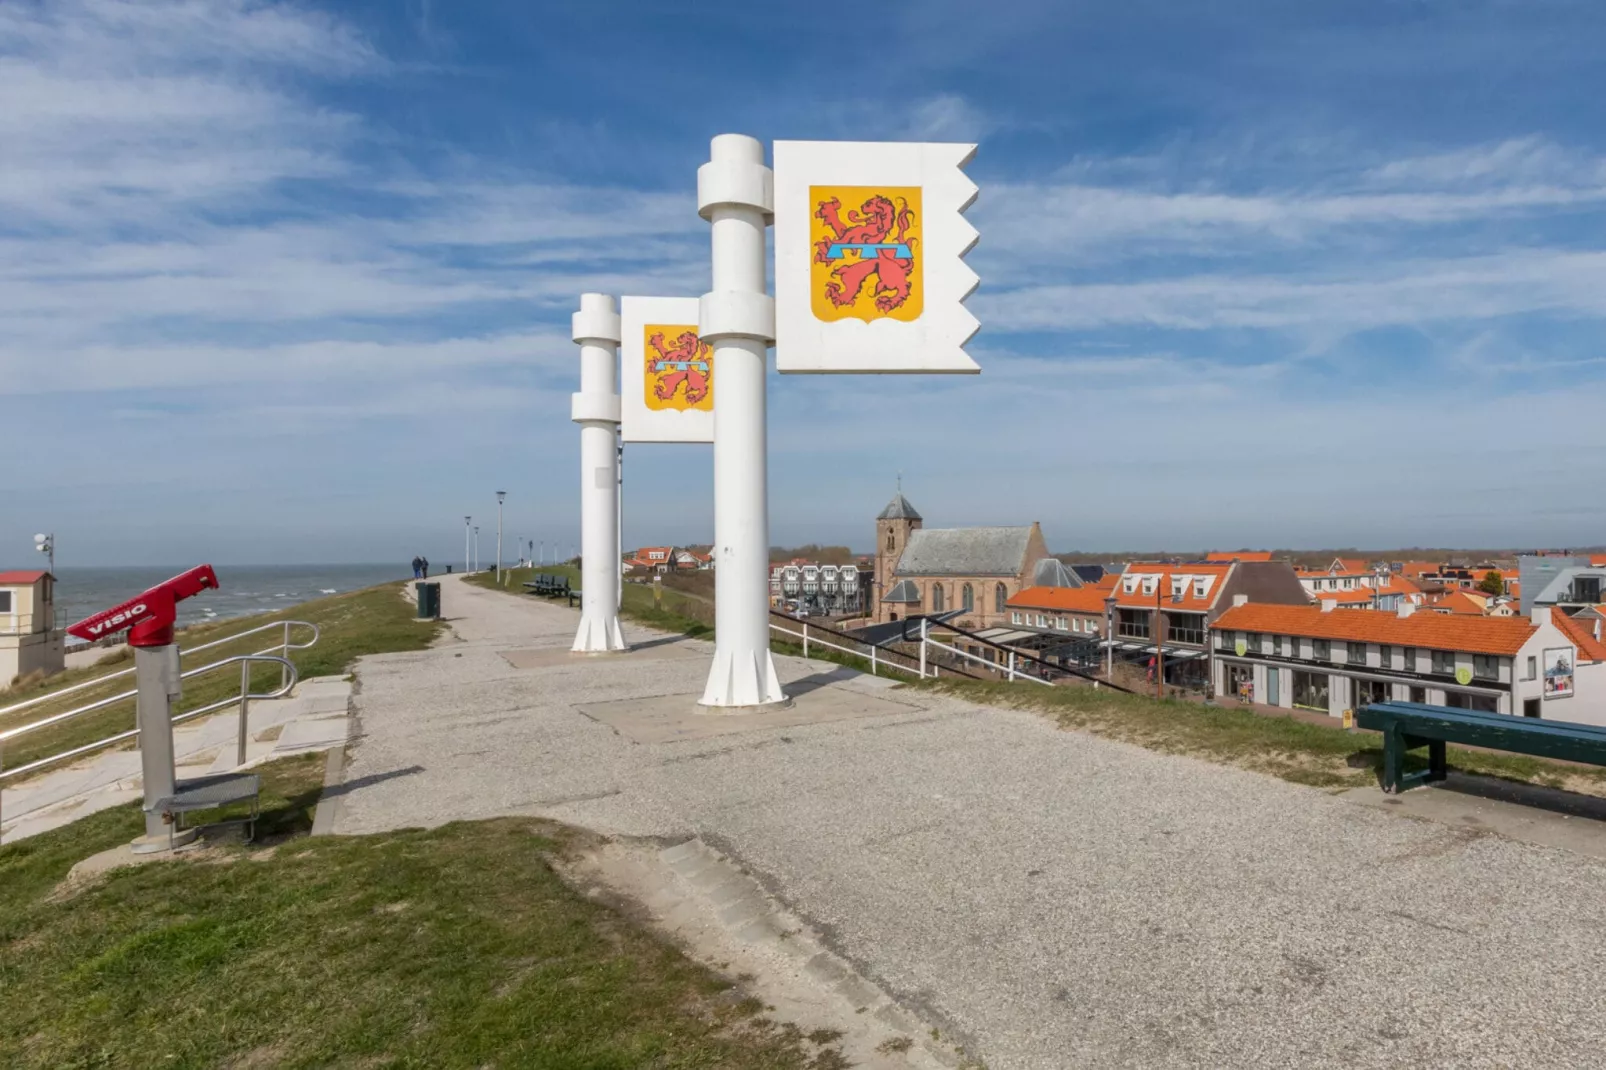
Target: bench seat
x=209, y=793
x=1407, y=726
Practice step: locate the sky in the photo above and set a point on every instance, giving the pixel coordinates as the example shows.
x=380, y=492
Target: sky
x=291, y=282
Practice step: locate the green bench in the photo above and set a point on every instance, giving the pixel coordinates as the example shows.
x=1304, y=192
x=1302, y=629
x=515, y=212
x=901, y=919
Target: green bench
x=548, y=586
x=1407, y=726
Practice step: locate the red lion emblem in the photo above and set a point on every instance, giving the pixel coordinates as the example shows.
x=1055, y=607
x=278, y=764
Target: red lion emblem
x=877, y=222
x=687, y=363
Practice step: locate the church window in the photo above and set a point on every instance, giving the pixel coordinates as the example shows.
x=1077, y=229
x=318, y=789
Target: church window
x=967, y=598
x=1000, y=596
x=936, y=598
x=890, y=541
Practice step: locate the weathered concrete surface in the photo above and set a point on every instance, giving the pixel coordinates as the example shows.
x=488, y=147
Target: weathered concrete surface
x=1050, y=898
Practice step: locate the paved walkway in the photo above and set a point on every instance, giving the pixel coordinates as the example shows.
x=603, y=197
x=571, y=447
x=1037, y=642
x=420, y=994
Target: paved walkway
x=1051, y=898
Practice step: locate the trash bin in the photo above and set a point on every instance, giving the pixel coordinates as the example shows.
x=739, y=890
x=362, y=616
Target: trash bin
x=429, y=600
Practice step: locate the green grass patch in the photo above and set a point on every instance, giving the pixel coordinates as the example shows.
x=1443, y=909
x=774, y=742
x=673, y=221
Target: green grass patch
x=677, y=611
x=371, y=621
x=457, y=947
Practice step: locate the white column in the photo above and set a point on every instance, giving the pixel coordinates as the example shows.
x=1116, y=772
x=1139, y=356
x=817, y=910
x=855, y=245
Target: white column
x=596, y=409
x=736, y=193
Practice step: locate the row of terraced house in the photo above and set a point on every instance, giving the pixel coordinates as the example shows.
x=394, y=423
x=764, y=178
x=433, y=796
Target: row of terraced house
x=1242, y=626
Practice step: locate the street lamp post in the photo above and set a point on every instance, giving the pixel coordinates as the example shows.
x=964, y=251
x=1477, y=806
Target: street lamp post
x=476, y=547
x=46, y=544
x=468, y=562
x=501, y=496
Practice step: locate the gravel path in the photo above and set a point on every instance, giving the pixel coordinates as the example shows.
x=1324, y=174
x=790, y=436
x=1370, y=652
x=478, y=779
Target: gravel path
x=1055, y=899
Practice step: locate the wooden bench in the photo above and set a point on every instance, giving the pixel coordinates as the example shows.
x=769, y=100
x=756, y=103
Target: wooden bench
x=1407, y=726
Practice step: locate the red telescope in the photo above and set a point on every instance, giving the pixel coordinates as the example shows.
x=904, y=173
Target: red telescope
x=150, y=615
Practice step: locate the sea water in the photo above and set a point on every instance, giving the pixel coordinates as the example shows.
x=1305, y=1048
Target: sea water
x=242, y=589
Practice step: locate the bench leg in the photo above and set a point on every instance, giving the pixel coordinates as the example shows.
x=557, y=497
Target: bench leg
x=1438, y=769
x=1393, y=760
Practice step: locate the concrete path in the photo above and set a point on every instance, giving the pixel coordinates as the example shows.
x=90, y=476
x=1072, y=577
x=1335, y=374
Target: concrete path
x=313, y=717
x=1049, y=898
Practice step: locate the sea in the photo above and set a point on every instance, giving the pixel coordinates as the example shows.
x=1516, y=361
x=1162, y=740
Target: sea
x=242, y=589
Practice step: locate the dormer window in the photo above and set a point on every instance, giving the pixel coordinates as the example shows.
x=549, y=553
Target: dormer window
x=1129, y=584
x=1150, y=583
x=1201, y=587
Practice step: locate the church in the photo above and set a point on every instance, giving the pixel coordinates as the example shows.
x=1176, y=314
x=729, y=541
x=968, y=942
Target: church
x=920, y=570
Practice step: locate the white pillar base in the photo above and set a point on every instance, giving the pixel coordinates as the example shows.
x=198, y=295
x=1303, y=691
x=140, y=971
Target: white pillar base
x=743, y=678
x=599, y=634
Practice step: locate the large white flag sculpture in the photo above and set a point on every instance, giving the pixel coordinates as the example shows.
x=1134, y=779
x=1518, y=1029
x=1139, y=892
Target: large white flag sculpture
x=667, y=383
x=869, y=278
x=870, y=240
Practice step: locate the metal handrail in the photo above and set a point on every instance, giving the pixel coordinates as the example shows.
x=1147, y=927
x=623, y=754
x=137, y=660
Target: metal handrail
x=243, y=700
x=870, y=655
x=284, y=649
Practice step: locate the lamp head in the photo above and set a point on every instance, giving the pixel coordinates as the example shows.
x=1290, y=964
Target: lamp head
x=500, y=495
x=41, y=540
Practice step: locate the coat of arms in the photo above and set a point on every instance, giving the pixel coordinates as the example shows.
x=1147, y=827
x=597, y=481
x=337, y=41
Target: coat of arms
x=866, y=263
x=680, y=373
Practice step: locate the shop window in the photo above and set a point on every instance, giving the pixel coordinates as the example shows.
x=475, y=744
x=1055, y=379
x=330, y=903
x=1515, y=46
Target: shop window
x=1310, y=690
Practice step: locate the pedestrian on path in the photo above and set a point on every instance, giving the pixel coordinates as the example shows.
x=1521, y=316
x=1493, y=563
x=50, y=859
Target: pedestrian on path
x=418, y=567
x=423, y=563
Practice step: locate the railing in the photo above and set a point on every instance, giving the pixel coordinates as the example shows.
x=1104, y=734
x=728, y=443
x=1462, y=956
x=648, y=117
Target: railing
x=288, y=677
x=283, y=647
x=879, y=657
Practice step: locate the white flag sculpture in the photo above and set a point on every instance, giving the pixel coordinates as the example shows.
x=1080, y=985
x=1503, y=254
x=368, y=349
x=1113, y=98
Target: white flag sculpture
x=667, y=384
x=870, y=277
x=870, y=240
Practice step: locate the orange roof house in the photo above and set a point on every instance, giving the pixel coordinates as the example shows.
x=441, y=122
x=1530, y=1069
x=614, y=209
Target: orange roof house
x=1590, y=648
x=1433, y=631
x=1228, y=556
x=1088, y=599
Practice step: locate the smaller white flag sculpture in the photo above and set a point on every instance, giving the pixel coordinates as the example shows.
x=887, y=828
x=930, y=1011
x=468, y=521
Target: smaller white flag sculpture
x=667, y=385
x=870, y=240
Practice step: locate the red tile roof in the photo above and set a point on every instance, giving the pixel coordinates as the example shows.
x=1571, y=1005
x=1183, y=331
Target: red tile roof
x=1229, y=556
x=1435, y=631
x=1349, y=565
x=1137, y=599
x=1062, y=599
x=1581, y=635
x=1397, y=585
x=20, y=576
x=1459, y=602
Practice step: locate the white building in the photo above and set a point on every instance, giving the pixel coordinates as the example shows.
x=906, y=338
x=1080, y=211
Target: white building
x=1319, y=658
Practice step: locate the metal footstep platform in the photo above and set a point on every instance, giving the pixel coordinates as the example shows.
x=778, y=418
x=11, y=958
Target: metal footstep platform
x=210, y=793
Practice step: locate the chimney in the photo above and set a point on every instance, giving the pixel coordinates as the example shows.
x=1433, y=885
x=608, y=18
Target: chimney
x=1406, y=608
x=1329, y=604
x=1240, y=600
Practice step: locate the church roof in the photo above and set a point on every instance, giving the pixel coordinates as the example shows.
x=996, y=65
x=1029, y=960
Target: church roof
x=899, y=509
x=965, y=552
x=903, y=591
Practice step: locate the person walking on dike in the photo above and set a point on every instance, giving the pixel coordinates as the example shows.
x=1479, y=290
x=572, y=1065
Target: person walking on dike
x=423, y=563
x=418, y=567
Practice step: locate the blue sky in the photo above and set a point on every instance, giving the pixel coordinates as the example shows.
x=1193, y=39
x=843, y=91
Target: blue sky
x=291, y=282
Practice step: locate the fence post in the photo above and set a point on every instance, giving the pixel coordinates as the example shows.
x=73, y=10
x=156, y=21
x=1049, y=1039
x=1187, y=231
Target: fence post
x=1011, y=666
x=805, y=639
x=872, y=661
x=245, y=709
x=284, y=670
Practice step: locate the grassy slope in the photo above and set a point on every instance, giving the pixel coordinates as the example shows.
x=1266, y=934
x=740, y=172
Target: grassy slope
x=457, y=947
x=370, y=621
x=1311, y=754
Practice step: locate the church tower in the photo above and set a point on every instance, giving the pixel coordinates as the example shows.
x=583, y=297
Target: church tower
x=893, y=526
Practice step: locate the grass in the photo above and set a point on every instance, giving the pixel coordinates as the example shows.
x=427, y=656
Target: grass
x=679, y=612
x=456, y=947
x=371, y=621
x=1316, y=755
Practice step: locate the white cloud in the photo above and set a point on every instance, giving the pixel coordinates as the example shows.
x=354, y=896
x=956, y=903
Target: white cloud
x=1469, y=289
